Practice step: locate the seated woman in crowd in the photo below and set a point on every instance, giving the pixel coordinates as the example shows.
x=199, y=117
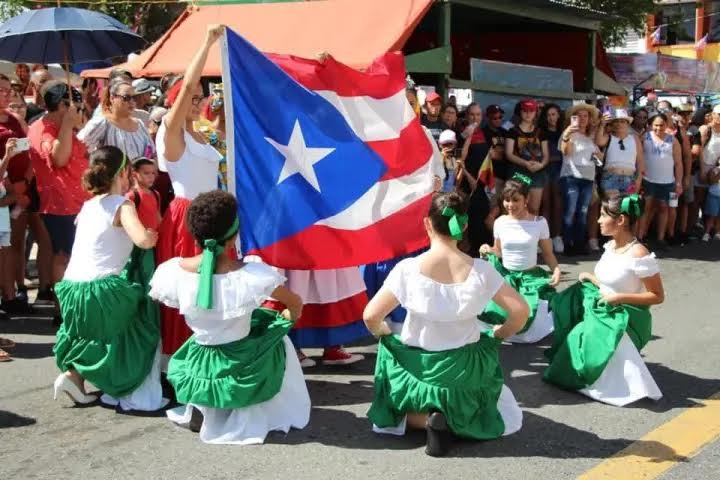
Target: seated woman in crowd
x=442, y=373
x=514, y=254
x=106, y=337
x=238, y=376
x=603, y=321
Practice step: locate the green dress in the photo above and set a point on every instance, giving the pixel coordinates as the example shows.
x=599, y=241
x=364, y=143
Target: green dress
x=110, y=330
x=532, y=284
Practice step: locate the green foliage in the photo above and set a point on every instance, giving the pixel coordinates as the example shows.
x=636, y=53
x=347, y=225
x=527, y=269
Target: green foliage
x=624, y=15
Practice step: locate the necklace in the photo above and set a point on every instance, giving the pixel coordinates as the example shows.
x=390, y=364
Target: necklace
x=627, y=247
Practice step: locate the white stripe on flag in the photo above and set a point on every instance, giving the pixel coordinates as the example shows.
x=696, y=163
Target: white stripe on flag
x=373, y=119
x=384, y=199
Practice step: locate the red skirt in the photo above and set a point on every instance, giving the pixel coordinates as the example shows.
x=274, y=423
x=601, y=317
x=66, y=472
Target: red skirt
x=175, y=240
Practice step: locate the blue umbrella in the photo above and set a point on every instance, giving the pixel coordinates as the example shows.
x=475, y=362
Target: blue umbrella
x=65, y=35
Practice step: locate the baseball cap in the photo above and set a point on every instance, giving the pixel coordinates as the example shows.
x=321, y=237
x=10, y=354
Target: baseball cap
x=493, y=109
x=57, y=93
x=142, y=85
x=528, y=105
x=447, y=136
x=433, y=97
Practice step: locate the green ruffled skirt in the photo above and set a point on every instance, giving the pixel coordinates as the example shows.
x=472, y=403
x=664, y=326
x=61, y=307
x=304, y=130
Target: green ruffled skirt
x=464, y=384
x=233, y=375
x=533, y=285
x=587, y=333
x=110, y=330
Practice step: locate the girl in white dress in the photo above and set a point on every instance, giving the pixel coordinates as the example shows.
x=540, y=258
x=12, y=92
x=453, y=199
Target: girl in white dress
x=602, y=322
x=514, y=255
x=237, y=376
x=442, y=372
x=110, y=334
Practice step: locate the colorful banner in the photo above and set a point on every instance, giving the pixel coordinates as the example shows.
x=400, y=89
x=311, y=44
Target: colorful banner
x=665, y=72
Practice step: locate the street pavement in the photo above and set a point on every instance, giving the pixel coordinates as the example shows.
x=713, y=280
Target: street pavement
x=564, y=434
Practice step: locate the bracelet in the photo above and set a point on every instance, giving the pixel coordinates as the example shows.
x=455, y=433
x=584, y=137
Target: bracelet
x=565, y=139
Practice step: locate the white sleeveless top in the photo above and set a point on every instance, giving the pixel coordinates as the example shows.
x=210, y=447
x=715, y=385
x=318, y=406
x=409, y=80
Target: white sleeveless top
x=711, y=152
x=659, y=162
x=441, y=316
x=623, y=273
x=196, y=170
x=519, y=241
x=100, y=249
x=615, y=157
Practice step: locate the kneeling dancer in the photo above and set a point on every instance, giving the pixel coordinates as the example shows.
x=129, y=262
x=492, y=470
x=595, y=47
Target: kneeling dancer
x=109, y=335
x=442, y=373
x=237, y=376
x=602, y=322
x=517, y=237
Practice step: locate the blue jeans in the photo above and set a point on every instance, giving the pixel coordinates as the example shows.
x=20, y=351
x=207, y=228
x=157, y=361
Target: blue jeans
x=577, y=194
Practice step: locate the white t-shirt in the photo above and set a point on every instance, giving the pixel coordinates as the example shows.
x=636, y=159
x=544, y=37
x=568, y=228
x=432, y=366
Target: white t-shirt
x=659, y=160
x=442, y=316
x=519, y=240
x=622, y=272
x=579, y=163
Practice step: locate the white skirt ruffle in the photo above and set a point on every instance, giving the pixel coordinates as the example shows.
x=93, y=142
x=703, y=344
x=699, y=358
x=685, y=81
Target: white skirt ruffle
x=148, y=396
x=541, y=327
x=290, y=408
x=626, y=378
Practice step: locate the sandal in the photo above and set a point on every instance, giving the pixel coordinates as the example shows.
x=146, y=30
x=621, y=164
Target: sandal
x=4, y=356
x=6, y=343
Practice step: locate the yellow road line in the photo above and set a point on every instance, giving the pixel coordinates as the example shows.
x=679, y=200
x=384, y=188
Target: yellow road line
x=663, y=448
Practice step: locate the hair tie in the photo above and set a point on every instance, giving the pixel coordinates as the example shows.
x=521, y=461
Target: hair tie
x=122, y=165
x=212, y=247
x=632, y=206
x=524, y=179
x=456, y=223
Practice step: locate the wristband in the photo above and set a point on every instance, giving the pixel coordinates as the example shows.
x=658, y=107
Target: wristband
x=565, y=139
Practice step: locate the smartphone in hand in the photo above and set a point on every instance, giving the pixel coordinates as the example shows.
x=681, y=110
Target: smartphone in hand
x=22, y=145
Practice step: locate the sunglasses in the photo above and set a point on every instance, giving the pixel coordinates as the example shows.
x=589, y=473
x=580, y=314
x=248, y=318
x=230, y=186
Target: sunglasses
x=126, y=98
x=622, y=145
x=196, y=100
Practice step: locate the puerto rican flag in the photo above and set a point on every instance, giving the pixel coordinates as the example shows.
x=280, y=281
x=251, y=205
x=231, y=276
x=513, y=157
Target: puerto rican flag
x=330, y=165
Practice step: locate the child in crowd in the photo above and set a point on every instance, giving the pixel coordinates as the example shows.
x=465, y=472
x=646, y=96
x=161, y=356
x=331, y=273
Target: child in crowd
x=145, y=198
x=107, y=336
x=237, y=376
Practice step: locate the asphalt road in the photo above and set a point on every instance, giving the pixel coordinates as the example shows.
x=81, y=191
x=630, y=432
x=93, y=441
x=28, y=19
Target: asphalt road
x=564, y=434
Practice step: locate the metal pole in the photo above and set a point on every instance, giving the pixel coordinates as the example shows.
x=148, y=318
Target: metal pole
x=444, y=35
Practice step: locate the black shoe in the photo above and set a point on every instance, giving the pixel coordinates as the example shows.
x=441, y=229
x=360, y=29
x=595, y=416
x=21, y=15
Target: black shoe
x=196, y=420
x=16, y=307
x=4, y=317
x=439, y=436
x=22, y=295
x=46, y=296
x=662, y=246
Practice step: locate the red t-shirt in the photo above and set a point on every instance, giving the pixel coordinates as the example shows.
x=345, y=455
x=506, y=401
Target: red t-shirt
x=60, y=188
x=148, y=209
x=19, y=164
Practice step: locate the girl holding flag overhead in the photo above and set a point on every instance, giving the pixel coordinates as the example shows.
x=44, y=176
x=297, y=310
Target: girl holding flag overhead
x=602, y=322
x=442, y=373
x=514, y=254
x=238, y=376
x=192, y=164
x=110, y=333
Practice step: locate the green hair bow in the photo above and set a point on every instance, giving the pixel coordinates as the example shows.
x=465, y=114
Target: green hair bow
x=456, y=223
x=211, y=249
x=632, y=206
x=524, y=179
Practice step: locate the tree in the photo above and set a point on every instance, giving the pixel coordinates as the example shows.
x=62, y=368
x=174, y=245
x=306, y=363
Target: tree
x=625, y=15
x=150, y=20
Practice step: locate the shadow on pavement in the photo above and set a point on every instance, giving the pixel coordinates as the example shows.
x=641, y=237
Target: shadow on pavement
x=32, y=350
x=331, y=394
x=13, y=420
x=678, y=388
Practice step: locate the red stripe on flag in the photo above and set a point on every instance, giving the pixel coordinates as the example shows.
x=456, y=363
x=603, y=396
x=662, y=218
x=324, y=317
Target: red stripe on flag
x=405, y=154
x=320, y=247
x=384, y=78
x=330, y=315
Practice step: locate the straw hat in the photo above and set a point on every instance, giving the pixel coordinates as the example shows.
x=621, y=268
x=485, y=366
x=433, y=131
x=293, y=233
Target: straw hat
x=620, y=114
x=594, y=112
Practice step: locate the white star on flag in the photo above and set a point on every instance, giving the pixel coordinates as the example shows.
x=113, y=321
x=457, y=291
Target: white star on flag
x=299, y=158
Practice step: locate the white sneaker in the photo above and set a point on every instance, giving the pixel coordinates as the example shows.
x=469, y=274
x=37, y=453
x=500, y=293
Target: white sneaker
x=717, y=237
x=558, y=245
x=706, y=237
x=594, y=245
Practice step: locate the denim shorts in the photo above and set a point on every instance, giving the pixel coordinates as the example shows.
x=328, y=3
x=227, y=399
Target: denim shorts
x=658, y=191
x=62, y=232
x=4, y=239
x=620, y=183
x=539, y=179
x=712, y=205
